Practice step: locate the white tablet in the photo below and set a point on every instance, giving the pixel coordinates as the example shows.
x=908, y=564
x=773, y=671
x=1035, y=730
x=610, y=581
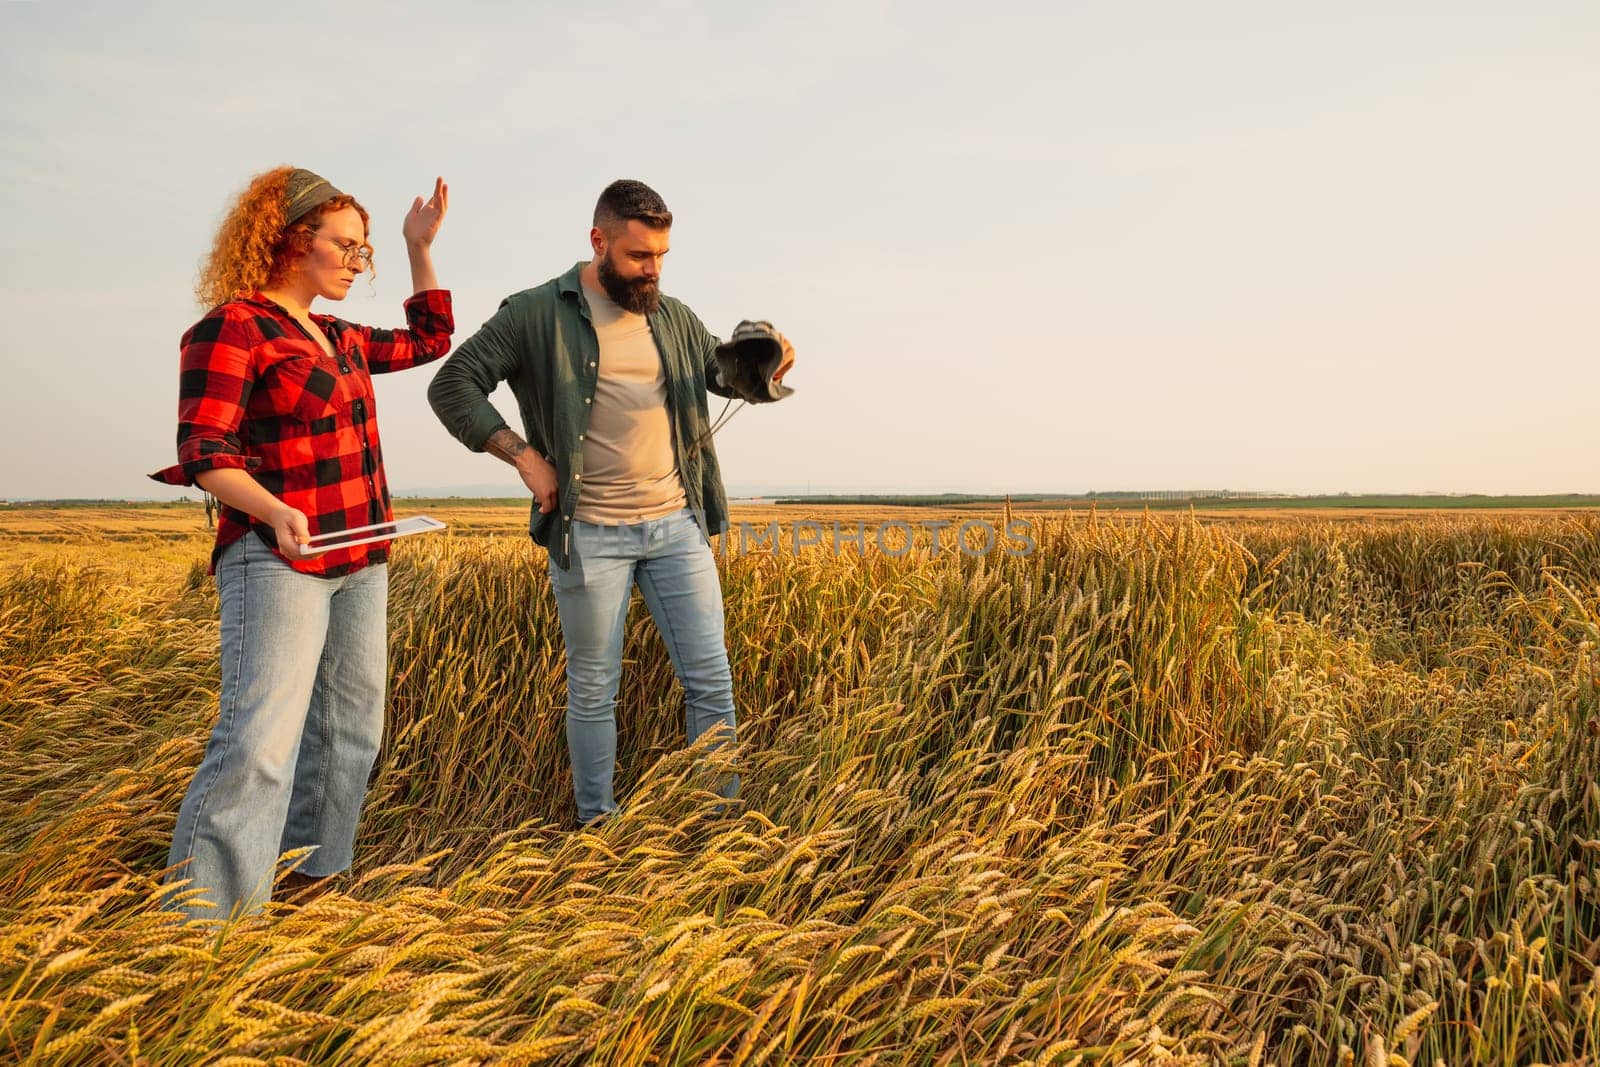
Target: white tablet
x=364, y=535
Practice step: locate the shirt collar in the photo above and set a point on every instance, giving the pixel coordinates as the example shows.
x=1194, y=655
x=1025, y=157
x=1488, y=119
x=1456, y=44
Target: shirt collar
x=570, y=283
x=260, y=299
x=570, y=287
x=256, y=296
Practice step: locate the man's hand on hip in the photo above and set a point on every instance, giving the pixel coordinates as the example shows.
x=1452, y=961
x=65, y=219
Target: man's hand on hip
x=540, y=478
x=537, y=473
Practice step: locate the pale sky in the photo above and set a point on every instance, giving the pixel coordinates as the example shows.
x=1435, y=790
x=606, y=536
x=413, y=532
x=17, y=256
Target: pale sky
x=1018, y=247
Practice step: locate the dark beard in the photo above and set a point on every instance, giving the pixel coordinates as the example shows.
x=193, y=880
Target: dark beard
x=642, y=296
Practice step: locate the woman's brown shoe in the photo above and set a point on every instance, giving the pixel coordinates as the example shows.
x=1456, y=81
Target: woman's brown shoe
x=297, y=888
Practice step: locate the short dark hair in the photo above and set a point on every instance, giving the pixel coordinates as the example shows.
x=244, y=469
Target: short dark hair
x=627, y=199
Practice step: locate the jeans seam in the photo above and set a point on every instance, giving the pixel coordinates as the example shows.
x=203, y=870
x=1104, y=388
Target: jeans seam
x=227, y=745
x=621, y=641
x=679, y=665
x=668, y=632
x=574, y=585
x=669, y=636
x=322, y=690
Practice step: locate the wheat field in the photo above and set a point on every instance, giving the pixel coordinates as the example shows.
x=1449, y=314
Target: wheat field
x=1167, y=790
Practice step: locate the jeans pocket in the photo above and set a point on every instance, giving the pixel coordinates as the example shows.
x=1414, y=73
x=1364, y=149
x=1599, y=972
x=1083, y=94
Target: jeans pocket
x=257, y=553
x=686, y=526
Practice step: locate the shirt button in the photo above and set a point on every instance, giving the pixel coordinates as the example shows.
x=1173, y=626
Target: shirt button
x=587, y=400
x=577, y=477
x=580, y=437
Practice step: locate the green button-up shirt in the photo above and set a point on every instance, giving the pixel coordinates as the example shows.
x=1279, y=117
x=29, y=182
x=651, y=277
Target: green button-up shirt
x=542, y=342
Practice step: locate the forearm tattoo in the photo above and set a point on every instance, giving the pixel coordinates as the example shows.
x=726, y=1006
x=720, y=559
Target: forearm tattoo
x=506, y=445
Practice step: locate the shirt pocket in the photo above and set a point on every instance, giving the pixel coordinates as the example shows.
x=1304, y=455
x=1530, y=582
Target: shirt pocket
x=304, y=388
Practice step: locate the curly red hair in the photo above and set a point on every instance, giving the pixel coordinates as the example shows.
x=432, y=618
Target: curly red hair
x=253, y=246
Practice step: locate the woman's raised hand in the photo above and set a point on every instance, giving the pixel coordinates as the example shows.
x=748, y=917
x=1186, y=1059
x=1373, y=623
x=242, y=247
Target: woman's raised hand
x=422, y=221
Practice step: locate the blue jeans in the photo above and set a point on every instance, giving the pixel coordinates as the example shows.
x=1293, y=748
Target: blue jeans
x=304, y=665
x=676, y=571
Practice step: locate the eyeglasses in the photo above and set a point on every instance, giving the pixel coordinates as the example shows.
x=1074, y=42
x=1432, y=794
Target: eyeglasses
x=356, y=257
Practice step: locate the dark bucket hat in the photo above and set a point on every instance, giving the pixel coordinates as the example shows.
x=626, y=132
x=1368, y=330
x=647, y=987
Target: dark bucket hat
x=747, y=360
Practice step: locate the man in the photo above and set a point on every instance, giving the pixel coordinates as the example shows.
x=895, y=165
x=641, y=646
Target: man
x=610, y=378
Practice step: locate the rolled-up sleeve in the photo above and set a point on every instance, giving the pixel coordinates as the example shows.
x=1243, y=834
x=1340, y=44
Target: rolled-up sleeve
x=214, y=382
x=430, y=321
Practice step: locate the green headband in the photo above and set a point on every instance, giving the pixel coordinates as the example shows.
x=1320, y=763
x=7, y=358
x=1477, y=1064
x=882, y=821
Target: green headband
x=305, y=192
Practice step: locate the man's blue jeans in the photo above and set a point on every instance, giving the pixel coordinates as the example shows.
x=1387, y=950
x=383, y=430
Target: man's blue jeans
x=301, y=714
x=674, y=567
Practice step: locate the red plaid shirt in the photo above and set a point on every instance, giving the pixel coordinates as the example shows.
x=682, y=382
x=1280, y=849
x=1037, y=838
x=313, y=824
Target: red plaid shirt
x=256, y=392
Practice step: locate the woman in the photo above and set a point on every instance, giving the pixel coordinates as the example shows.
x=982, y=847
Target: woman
x=276, y=419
